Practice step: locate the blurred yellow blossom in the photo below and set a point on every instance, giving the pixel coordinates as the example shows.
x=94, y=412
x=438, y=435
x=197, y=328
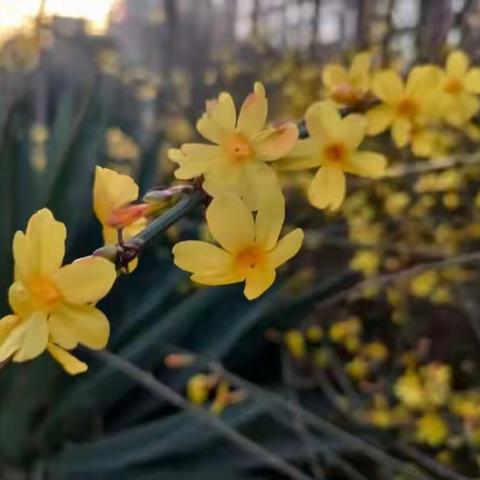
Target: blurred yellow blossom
x=431, y=429
x=295, y=343
x=404, y=106
x=365, y=261
x=348, y=87
x=333, y=146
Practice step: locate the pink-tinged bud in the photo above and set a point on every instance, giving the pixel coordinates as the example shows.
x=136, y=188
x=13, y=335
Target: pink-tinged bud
x=179, y=360
x=123, y=217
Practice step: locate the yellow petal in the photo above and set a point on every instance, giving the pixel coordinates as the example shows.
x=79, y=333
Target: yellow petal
x=333, y=76
x=86, y=280
x=323, y=121
x=388, y=86
x=327, y=189
x=219, y=119
x=202, y=258
x=457, y=63
x=379, y=119
x=422, y=81
x=69, y=363
x=112, y=191
x=220, y=279
x=195, y=159
x=231, y=223
x=10, y=336
x=401, y=130
x=360, y=67
x=40, y=251
x=423, y=143
x=367, y=164
x=73, y=324
x=34, y=337
x=355, y=126
x=269, y=221
x=306, y=154
x=253, y=113
x=472, y=80
x=275, y=143
x=257, y=281
x=259, y=182
x=286, y=248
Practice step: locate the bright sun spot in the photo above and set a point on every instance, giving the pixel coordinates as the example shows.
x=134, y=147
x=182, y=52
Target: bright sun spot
x=14, y=12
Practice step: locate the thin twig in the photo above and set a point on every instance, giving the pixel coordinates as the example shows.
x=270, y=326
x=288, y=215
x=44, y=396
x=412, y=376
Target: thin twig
x=383, y=280
x=299, y=423
x=164, y=392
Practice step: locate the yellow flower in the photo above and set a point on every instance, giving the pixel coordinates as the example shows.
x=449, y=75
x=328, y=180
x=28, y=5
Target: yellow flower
x=409, y=390
x=238, y=163
x=111, y=192
x=295, y=343
x=348, y=87
x=333, y=145
x=459, y=88
x=250, y=250
x=53, y=305
x=422, y=285
x=365, y=261
x=405, y=107
x=431, y=429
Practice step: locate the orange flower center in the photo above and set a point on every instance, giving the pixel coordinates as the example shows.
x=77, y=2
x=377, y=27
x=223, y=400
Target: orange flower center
x=407, y=107
x=249, y=258
x=346, y=94
x=43, y=292
x=453, y=86
x=335, y=152
x=238, y=148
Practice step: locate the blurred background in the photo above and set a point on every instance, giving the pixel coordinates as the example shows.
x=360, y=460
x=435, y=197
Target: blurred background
x=117, y=83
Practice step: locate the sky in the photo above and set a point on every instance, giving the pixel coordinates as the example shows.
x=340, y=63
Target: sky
x=14, y=12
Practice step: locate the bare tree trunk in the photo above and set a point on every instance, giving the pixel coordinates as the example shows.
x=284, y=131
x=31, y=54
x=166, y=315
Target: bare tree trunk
x=364, y=16
x=436, y=17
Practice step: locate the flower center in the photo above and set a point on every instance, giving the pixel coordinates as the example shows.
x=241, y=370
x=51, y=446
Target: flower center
x=43, y=292
x=238, y=148
x=407, y=107
x=335, y=152
x=249, y=258
x=346, y=94
x=453, y=86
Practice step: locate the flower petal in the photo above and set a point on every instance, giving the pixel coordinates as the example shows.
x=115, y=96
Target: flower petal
x=286, y=248
x=253, y=113
x=457, y=63
x=388, y=86
x=379, y=119
x=333, y=76
x=269, y=221
x=358, y=72
x=112, y=191
x=34, y=337
x=40, y=251
x=327, y=189
x=86, y=280
x=220, y=279
x=69, y=363
x=202, y=258
x=231, y=223
x=219, y=119
x=257, y=281
x=306, y=154
x=9, y=336
x=73, y=324
x=355, y=126
x=194, y=159
x=472, y=80
x=275, y=143
x=258, y=183
x=401, y=130
x=422, y=81
x=367, y=164
x=323, y=121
